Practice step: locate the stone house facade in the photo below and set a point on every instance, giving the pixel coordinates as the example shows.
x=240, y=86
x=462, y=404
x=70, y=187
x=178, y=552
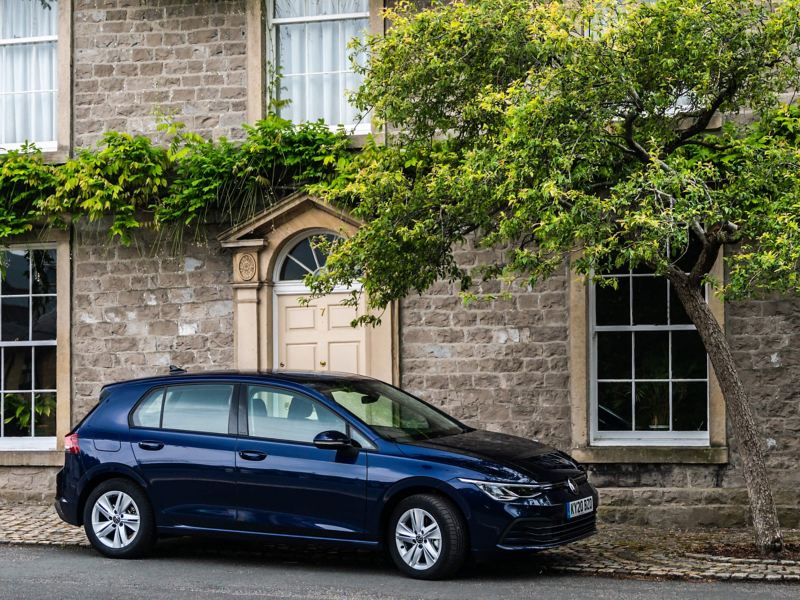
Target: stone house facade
x=614, y=377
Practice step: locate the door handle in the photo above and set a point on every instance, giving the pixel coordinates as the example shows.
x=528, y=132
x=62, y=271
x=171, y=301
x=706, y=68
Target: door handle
x=151, y=445
x=252, y=454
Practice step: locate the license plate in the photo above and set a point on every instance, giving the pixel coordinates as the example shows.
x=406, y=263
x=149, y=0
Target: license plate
x=580, y=507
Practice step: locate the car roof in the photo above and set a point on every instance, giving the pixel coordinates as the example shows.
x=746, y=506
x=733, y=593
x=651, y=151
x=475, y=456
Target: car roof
x=299, y=377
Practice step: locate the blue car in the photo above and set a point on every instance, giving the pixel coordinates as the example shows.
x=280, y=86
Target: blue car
x=311, y=457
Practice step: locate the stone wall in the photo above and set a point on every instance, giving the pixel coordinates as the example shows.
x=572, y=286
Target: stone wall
x=136, y=58
x=501, y=365
x=136, y=310
x=27, y=484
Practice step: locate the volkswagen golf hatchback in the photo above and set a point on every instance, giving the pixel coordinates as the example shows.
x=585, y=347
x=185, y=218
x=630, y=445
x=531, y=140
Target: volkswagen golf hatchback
x=322, y=458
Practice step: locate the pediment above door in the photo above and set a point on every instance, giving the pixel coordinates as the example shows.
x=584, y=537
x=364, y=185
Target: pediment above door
x=292, y=214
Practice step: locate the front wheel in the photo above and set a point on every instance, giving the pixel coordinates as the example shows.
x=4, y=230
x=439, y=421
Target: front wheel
x=118, y=519
x=427, y=538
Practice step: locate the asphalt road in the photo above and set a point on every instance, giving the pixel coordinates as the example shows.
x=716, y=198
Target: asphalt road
x=214, y=569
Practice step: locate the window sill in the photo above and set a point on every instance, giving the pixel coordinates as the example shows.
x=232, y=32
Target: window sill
x=31, y=458
x=652, y=454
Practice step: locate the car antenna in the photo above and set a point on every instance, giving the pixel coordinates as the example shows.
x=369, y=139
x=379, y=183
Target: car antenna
x=174, y=370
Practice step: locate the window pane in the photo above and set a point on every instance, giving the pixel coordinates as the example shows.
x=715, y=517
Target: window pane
x=21, y=19
x=289, y=8
x=649, y=301
x=613, y=305
x=689, y=360
x=15, y=321
x=45, y=367
x=17, y=368
x=201, y=408
x=686, y=256
x=614, y=355
x=281, y=415
x=314, y=63
x=148, y=413
x=614, y=407
x=689, y=406
x=44, y=272
x=44, y=318
x=44, y=417
x=291, y=271
x=651, y=352
x=27, y=92
x=17, y=415
x=677, y=314
x=17, y=270
x=652, y=406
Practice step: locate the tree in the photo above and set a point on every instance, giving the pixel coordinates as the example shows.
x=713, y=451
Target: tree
x=582, y=128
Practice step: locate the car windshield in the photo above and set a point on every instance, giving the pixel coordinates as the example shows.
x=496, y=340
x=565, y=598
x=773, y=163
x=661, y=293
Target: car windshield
x=391, y=413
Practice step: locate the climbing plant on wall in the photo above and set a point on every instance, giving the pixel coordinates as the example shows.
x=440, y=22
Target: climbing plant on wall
x=131, y=182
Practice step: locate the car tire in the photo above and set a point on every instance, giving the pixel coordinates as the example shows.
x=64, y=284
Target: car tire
x=118, y=519
x=427, y=537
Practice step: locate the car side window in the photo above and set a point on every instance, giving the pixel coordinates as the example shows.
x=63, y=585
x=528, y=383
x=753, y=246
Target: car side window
x=148, y=412
x=204, y=408
x=284, y=415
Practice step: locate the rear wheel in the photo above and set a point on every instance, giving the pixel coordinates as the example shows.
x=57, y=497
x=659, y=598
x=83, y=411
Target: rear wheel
x=426, y=537
x=118, y=519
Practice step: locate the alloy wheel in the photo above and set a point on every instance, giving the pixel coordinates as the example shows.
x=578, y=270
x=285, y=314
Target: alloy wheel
x=418, y=539
x=115, y=519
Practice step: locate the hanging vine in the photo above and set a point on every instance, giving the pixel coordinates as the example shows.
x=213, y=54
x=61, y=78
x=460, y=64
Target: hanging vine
x=131, y=182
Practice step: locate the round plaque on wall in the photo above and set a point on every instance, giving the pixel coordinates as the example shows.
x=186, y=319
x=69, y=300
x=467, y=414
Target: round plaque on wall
x=247, y=267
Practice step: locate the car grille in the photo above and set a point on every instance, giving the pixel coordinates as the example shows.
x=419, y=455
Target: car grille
x=543, y=533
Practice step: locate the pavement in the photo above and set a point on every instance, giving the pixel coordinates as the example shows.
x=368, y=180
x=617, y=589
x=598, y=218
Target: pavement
x=180, y=571
x=616, y=551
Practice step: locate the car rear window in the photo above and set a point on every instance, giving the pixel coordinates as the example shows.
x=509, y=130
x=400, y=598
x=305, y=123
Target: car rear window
x=203, y=408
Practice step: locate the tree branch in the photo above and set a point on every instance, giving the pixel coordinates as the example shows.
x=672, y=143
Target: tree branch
x=635, y=147
x=703, y=119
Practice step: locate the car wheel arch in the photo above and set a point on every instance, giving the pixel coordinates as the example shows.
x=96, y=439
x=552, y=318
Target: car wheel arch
x=104, y=473
x=411, y=487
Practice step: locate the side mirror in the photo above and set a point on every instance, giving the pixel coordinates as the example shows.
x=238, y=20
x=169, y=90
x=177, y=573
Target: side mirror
x=332, y=440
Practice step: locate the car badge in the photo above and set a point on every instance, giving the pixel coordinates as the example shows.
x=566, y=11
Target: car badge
x=572, y=486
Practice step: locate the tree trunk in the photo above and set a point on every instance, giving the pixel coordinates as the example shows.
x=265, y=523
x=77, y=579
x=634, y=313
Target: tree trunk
x=762, y=505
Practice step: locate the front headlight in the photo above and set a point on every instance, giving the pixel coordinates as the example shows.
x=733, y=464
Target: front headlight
x=506, y=492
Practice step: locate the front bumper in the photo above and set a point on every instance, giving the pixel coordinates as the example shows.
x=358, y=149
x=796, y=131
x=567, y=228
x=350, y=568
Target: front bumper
x=534, y=524
x=540, y=533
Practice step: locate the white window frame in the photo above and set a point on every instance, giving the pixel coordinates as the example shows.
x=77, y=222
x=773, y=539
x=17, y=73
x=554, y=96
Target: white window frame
x=43, y=145
x=32, y=442
x=639, y=438
x=360, y=128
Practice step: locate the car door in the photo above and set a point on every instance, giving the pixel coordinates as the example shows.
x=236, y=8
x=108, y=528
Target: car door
x=184, y=440
x=286, y=484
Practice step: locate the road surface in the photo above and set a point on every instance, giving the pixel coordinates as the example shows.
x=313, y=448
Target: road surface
x=213, y=569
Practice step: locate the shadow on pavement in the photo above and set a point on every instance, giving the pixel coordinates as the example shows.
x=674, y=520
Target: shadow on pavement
x=253, y=554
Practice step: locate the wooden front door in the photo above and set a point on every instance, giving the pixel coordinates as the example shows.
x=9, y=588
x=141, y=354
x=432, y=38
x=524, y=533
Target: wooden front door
x=318, y=336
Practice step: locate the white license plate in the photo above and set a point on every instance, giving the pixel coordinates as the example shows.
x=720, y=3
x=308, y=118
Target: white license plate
x=580, y=507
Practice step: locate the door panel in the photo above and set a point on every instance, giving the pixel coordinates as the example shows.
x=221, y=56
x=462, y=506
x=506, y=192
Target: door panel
x=191, y=478
x=343, y=356
x=301, y=356
x=287, y=485
x=319, y=336
x=191, y=474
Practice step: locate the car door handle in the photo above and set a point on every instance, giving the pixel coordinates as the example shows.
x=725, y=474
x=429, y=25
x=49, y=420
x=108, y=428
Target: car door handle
x=252, y=454
x=151, y=445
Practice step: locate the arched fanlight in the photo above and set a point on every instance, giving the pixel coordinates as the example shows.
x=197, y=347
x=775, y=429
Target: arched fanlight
x=305, y=257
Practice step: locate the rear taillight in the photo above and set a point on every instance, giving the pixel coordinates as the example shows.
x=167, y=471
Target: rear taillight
x=71, y=445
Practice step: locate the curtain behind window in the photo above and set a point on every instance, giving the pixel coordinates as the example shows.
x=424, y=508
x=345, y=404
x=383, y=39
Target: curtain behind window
x=28, y=76
x=313, y=58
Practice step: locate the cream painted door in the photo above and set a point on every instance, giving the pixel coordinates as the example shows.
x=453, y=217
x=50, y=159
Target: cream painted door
x=318, y=336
